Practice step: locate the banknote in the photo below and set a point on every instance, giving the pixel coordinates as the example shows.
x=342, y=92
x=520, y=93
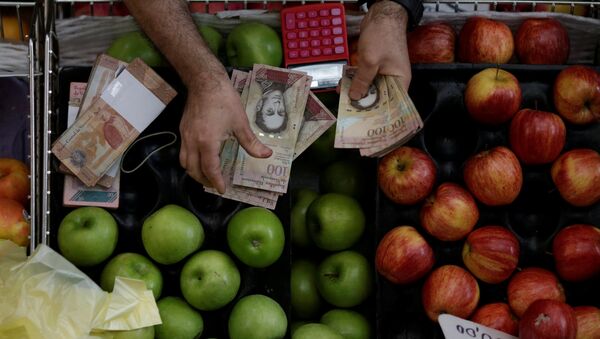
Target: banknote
x=361, y=123
x=317, y=119
x=403, y=120
x=104, y=71
x=275, y=107
x=228, y=156
x=382, y=121
x=101, y=134
x=75, y=193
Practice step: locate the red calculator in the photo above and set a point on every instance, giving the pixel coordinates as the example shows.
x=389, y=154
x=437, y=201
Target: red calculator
x=314, y=33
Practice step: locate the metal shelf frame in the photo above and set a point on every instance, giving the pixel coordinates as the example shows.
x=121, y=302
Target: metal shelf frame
x=56, y=8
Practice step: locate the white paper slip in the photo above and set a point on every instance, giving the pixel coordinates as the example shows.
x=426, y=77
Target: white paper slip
x=458, y=328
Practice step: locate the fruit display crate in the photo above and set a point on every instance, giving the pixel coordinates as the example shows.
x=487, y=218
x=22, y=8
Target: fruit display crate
x=450, y=137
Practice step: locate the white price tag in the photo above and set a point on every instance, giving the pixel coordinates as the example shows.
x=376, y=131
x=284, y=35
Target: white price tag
x=458, y=328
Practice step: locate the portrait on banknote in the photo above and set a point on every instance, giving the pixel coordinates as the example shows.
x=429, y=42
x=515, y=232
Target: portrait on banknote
x=271, y=114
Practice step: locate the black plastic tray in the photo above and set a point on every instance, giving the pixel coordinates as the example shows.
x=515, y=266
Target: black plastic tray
x=163, y=181
x=450, y=136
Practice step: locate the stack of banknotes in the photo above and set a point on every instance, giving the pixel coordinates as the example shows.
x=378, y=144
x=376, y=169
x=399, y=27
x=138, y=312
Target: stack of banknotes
x=285, y=116
x=383, y=120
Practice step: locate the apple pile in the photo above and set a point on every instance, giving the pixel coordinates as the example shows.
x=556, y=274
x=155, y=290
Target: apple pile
x=210, y=278
x=490, y=41
x=14, y=195
x=436, y=214
x=247, y=44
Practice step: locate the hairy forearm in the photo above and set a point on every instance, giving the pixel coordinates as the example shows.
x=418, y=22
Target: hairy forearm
x=386, y=9
x=170, y=26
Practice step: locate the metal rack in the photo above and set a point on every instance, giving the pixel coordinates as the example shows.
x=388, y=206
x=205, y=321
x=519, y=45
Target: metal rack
x=54, y=9
x=33, y=75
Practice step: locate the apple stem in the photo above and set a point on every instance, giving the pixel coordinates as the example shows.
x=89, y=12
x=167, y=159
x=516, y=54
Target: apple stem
x=497, y=70
x=518, y=269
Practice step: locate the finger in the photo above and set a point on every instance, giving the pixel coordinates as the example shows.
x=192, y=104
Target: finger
x=211, y=166
x=194, y=171
x=183, y=154
x=337, y=87
x=362, y=80
x=250, y=142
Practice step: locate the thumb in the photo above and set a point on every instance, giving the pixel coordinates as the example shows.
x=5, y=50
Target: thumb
x=361, y=81
x=250, y=142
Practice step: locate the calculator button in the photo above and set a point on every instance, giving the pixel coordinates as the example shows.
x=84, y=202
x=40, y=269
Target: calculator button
x=335, y=30
x=338, y=40
x=291, y=35
x=304, y=53
x=336, y=11
x=312, y=14
x=325, y=22
x=303, y=44
x=324, y=12
x=327, y=51
x=325, y=32
x=303, y=34
x=315, y=52
x=326, y=41
x=301, y=15
x=339, y=50
x=290, y=21
x=293, y=54
x=315, y=43
x=302, y=24
x=292, y=44
x=314, y=33
x=336, y=21
x=314, y=23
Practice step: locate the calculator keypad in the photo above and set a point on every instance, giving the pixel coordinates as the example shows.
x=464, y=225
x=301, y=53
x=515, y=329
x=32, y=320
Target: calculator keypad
x=314, y=32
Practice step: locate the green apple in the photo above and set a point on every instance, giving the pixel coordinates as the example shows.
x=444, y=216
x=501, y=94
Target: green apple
x=255, y=236
x=299, y=233
x=315, y=331
x=140, y=333
x=257, y=317
x=295, y=325
x=350, y=324
x=134, y=266
x=209, y=280
x=171, y=234
x=179, y=320
x=135, y=45
x=344, y=279
x=322, y=151
x=335, y=221
x=87, y=236
x=213, y=38
x=344, y=177
x=252, y=43
x=305, y=298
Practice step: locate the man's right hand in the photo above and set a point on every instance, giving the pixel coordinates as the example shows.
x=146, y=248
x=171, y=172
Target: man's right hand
x=213, y=113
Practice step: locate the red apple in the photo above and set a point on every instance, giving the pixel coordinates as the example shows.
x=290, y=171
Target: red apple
x=546, y=318
x=576, y=251
x=497, y=316
x=406, y=175
x=588, y=322
x=576, y=174
x=542, y=41
x=537, y=137
x=450, y=213
x=531, y=284
x=14, y=180
x=577, y=94
x=14, y=225
x=431, y=43
x=492, y=96
x=483, y=40
x=494, y=177
x=450, y=289
x=491, y=253
x=403, y=255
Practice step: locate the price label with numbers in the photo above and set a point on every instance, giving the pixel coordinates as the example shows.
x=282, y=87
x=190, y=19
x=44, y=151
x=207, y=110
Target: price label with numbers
x=458, y=328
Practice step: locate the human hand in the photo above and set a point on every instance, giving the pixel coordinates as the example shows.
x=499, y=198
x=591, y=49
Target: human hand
x=214, y=112
x=382, y=47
